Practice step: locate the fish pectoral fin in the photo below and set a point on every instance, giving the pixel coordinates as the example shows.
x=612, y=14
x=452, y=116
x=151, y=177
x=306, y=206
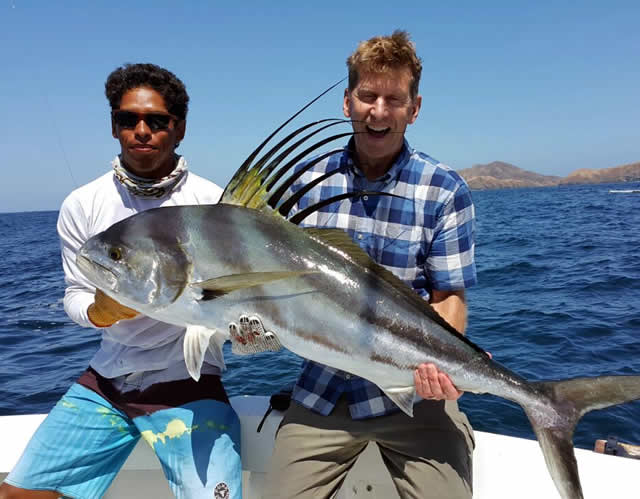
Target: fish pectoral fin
x=216, y=340
x=220, y=286
x=403, y=397
x=196, y=342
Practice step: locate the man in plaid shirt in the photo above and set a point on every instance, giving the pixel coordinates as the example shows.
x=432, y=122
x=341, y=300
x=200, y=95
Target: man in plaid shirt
x=427, y=240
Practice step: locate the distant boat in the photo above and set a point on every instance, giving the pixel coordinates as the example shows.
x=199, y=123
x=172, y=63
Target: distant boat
x=624, y=191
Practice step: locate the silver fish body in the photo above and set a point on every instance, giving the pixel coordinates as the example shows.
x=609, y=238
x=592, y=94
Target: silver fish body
x=204, y=266
x=207, y=265
x=334, y=311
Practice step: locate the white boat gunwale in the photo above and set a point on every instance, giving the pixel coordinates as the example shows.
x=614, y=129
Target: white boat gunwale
x=503, y=466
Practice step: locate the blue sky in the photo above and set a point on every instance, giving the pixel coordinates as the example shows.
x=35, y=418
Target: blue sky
x=548, y=86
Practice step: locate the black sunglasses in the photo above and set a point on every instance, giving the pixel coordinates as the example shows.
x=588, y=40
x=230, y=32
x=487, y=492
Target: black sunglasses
x=130, y=119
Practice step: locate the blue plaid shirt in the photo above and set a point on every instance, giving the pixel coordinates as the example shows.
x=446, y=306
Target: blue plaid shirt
x=427, y=240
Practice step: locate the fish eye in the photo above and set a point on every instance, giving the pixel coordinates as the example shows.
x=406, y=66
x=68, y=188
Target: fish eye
x=115, y=253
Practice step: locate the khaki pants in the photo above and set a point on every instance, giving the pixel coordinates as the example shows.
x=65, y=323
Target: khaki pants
x=428, y=456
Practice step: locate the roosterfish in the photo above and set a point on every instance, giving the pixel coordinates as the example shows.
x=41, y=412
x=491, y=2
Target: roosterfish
x=320, y=296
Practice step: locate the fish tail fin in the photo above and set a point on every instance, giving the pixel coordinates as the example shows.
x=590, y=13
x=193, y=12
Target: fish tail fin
x=557, y=447
x=554, y=423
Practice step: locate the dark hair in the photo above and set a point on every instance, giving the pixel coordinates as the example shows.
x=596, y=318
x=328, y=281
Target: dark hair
x=131, y=76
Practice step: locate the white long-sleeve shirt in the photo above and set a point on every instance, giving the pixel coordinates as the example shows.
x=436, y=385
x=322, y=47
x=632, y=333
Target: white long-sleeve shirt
x=141, y=343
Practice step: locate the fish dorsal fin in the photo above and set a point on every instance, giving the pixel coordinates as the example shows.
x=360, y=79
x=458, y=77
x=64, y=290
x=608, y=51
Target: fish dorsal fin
x=229, y=193
x=339, y=240
x=301, y=215
x=196, y=341
x=252, y=182
x=220, y=286
x=260, y=184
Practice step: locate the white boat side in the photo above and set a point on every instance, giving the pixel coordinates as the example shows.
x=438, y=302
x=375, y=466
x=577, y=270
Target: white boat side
x=503, y=467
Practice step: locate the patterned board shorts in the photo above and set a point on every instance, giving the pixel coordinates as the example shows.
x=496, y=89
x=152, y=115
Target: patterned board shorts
x=86, y=438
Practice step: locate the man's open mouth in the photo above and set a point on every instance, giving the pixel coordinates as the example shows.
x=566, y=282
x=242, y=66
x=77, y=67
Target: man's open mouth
x=378, y=132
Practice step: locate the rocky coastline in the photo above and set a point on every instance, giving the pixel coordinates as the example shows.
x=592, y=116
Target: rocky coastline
x=500, y=175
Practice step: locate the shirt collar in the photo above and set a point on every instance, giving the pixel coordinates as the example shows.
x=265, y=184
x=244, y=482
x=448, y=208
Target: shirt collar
x=392, y=173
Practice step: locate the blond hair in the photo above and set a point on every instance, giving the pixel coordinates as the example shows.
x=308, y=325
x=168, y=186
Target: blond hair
x=381, y=54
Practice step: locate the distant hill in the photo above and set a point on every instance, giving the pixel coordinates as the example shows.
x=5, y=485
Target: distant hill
x=500, y=175
x=624, y=173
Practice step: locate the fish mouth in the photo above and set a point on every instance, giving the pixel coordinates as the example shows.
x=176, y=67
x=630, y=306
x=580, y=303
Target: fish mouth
x=98, y=274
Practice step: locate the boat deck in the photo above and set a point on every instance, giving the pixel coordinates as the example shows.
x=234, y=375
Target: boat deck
x=503, y=467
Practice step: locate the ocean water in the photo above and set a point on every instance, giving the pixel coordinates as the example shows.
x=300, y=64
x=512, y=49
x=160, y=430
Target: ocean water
x=558, y=296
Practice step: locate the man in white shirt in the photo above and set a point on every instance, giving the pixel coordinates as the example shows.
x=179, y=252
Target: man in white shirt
x=137, y=384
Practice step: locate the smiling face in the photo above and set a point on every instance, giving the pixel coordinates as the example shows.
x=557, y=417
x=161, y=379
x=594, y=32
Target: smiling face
x=381, y=106
x=147, y=153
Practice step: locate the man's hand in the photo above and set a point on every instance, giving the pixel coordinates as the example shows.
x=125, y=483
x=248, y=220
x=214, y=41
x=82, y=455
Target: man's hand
x=432, y=384
x=105, y=311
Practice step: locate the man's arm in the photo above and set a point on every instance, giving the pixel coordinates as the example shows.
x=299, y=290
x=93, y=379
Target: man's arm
x=432, y=383
x=452, y=307
x=84, y=304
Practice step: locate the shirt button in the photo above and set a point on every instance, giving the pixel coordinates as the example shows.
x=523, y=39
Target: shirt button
x=366, y=198
x=360, y=236
x=347, y=376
